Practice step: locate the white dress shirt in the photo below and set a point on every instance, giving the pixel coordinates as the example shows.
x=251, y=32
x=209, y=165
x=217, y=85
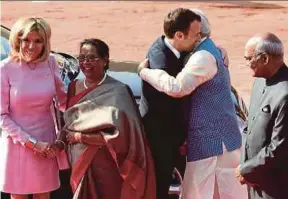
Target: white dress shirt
x=200, y=67
x=174, y=50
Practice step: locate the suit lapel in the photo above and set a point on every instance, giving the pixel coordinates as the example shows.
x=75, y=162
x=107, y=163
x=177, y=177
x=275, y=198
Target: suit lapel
x=256, y=102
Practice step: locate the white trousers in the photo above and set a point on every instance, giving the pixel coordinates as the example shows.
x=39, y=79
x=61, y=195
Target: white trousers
x=214, y=178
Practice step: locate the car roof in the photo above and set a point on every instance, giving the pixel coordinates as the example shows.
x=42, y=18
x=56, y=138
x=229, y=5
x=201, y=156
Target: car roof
x=129, y=78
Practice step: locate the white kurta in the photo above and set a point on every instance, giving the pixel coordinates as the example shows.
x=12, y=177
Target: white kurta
x=200, y=176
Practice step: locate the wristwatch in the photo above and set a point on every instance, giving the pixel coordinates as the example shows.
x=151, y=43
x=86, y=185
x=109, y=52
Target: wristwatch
x=30, y=143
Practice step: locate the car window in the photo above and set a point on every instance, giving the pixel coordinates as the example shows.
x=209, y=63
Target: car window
x=5, y=47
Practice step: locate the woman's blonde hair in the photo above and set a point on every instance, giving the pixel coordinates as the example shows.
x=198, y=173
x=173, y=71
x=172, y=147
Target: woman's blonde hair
x=20, y=30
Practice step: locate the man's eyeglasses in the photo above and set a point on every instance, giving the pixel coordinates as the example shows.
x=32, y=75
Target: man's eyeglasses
x=250, y=58
x=90, y=59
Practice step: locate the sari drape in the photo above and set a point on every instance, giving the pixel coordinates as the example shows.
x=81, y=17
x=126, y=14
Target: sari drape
x=110, y=111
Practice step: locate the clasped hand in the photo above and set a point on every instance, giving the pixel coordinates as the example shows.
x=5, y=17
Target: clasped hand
x=46, y=150
x=73, y=137
x=241, y=179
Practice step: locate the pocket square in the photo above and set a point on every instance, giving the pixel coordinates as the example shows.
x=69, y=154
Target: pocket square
x=266, y=109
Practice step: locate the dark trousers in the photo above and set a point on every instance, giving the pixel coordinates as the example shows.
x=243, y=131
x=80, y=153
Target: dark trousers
x=5, y=195
x=166, y=156
x=65, y=190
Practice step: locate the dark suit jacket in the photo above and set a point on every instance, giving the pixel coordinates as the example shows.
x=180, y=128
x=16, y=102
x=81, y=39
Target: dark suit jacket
x=266, y=148
x=165, y=120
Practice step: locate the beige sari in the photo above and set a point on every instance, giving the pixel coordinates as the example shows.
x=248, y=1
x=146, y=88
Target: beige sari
x=110, y=111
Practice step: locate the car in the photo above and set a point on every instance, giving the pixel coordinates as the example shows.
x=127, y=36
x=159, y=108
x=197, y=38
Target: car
x=5, y=48
x=129, y=78
x=123, y=71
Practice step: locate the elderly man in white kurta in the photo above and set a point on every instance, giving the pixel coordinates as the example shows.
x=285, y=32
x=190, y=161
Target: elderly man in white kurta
x=213, y=139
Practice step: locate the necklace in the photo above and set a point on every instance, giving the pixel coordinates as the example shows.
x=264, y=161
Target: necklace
x=31, y=67
x=84, y=82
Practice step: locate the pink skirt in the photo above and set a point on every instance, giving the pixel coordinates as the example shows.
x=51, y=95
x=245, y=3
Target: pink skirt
x=23, y=172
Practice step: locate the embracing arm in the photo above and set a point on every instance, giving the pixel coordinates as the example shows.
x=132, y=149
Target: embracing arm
x=8, y=125
x=274, y=153
x=200, y=68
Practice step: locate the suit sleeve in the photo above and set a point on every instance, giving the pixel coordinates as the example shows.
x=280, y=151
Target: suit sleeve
x=157, y=59
x=245, y=127
x=200, y=68
x=274, y=153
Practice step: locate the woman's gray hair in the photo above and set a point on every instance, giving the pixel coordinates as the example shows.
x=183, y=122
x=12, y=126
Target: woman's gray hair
x=269, y=44
x=205, y=25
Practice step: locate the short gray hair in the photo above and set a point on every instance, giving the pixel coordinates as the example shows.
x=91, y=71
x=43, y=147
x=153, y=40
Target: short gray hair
x=269, y=44
x=205, y=25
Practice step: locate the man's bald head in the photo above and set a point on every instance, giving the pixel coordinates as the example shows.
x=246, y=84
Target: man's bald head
x=264, y=55
x=267, y=43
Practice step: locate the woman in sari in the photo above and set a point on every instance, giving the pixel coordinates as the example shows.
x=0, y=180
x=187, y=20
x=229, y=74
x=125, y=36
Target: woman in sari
x=108, y=152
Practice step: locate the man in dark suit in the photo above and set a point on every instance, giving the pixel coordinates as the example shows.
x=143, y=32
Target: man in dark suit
x=265, y=159
x=164, y=117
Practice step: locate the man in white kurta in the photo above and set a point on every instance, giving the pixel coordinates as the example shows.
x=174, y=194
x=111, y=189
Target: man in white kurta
x=200, y=176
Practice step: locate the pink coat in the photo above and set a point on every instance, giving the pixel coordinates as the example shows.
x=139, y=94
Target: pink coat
x=26, y=96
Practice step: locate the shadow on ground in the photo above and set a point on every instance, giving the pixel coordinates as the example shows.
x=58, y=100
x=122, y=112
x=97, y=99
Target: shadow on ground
x=247, y=4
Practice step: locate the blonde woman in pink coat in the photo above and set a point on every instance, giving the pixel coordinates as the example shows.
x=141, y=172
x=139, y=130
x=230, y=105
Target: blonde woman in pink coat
x=27, y=166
